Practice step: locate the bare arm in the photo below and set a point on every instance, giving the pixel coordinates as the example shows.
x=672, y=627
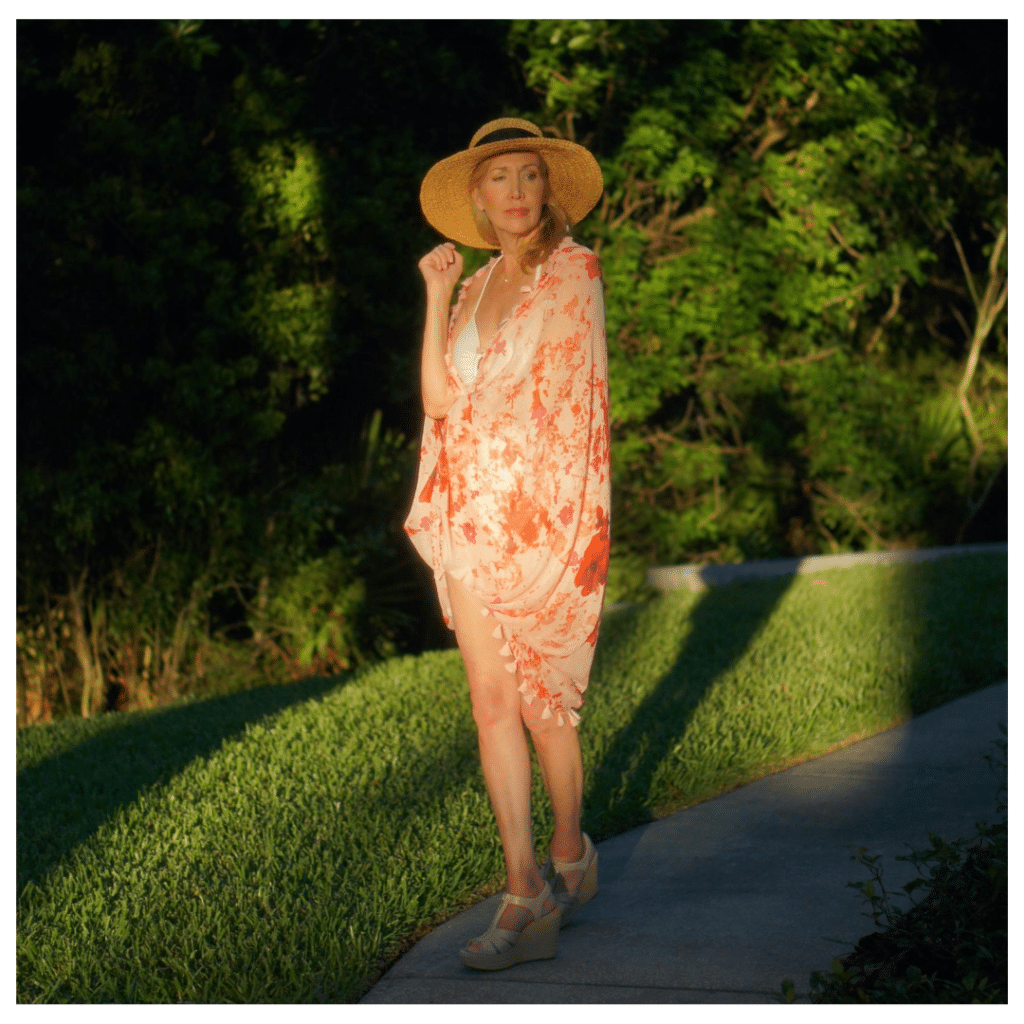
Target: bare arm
x=441, y=268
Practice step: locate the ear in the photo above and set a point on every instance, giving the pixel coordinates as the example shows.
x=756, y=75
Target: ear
x=477, y=199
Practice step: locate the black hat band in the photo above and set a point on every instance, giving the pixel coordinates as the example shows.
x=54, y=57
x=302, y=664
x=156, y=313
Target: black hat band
x=507, y=133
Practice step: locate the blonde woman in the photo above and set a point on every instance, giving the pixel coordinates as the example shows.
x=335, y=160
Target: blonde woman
x=512, y=501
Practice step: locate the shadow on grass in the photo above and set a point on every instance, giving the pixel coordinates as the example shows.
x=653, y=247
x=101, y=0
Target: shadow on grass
x=948, y=626
x=724, y=622
x=954, y=629
x=64, y=799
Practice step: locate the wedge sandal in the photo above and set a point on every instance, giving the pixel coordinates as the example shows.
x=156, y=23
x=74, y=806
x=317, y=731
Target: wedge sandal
x=570, y=902
x=503, y=947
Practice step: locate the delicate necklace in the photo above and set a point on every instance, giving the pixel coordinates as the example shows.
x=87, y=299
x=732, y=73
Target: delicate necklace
x=505, y=276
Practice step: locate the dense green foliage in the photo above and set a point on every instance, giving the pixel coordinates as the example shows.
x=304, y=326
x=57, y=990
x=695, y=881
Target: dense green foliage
x=217, y=319
x=285, y=844
x=803, y=237
x=778, y=241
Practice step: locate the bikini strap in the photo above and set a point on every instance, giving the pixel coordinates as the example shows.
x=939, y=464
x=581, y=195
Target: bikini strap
x=487, y=281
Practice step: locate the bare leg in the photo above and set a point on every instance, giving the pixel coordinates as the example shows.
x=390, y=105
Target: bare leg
x=504, y=752
x=561, y=764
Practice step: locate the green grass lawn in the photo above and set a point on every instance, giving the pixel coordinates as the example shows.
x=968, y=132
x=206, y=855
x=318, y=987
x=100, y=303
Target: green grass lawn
x=285, y=844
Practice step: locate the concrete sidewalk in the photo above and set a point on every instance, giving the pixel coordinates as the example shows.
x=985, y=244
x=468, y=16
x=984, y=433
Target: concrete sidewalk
x=719, y=903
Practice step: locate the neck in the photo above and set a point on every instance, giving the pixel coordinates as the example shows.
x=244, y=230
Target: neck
x=512, y=247
x=510, y=264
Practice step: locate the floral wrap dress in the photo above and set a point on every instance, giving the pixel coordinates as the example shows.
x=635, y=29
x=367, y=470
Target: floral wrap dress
x=513, y=491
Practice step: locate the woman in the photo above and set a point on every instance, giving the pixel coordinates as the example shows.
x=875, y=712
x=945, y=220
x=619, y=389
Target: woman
x=512, y=501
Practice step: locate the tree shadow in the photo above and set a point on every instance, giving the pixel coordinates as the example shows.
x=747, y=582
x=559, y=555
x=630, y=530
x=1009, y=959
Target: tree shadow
x=64, y=799
x=951, y=627
x=946, y=637
x=723, y=623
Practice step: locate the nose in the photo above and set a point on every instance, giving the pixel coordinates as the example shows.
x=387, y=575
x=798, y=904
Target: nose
x=517, y=186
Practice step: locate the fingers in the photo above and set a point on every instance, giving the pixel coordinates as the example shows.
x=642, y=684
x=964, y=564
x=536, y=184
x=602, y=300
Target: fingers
x=443, y=259
x=445, y=250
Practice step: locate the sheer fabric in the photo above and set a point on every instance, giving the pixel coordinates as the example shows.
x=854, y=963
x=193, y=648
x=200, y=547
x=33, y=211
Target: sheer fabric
x=513, y=492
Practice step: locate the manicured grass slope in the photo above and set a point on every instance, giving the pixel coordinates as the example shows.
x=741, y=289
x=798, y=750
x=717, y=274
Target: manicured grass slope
x=284, y=844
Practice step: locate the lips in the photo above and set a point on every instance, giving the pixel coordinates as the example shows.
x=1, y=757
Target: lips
x=518, y=211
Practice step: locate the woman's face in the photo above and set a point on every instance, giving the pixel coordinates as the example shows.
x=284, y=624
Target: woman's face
x=512, y=192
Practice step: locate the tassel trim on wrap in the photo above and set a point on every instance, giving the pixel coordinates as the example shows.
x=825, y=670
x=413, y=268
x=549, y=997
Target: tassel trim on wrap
x=524, y=687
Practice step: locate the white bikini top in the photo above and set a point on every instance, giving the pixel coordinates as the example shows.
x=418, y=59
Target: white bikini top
x=466, y=352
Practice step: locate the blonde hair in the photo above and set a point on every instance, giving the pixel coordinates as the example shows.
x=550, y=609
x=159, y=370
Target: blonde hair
x=554, y=221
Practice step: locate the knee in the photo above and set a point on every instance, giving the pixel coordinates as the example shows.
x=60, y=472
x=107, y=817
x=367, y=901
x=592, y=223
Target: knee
x=540, y=728
x=495, y=701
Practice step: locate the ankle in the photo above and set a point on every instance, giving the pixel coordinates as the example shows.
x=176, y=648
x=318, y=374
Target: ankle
x=529, y=887
x=567, y=851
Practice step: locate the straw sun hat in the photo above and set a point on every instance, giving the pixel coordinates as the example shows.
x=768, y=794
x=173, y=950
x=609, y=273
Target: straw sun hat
x=574, y=177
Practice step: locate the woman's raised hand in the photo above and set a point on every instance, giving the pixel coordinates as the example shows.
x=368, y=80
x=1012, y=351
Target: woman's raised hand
x=442, y=267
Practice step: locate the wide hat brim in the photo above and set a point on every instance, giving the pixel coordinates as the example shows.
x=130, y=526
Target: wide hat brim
x=573, y=175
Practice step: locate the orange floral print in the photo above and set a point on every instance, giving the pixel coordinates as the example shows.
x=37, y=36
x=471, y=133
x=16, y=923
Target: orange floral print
x=513, y=493
x=594, y=570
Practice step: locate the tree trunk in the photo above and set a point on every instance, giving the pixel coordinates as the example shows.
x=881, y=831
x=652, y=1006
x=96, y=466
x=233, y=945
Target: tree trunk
x=91, y=674
x=54, y=642
x=987, y=307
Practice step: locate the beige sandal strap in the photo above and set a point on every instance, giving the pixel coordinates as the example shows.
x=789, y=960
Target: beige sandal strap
x=500, y=939
x=562, y=866
x=535, y=904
